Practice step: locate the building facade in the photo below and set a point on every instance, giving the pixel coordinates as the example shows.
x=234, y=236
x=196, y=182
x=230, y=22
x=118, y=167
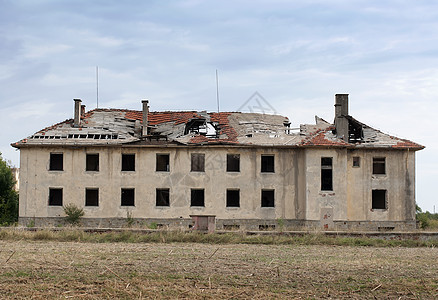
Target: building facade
x=248, y=171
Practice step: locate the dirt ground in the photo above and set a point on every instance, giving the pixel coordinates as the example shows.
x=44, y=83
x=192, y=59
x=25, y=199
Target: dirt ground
x=62, y=270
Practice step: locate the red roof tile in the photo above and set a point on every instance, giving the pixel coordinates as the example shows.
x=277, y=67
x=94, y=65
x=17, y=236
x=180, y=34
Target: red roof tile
x=225, y=129
x=319, y=139
x=178, y=117
x=405, y=144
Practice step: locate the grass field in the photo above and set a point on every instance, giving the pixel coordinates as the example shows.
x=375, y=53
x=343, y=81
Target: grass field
x=42, y=268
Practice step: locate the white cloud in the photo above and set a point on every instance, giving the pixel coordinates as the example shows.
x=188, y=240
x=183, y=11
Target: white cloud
x=44, y=51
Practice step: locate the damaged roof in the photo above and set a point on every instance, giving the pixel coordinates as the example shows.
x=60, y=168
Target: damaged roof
x=100, y=127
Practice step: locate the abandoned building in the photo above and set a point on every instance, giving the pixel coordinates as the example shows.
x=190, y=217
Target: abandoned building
x=227, y=169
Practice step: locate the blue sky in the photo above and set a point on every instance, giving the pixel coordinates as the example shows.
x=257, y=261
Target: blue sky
x=296, y=54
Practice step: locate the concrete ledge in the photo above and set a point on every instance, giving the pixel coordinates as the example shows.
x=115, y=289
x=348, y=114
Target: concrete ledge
x=225, y=224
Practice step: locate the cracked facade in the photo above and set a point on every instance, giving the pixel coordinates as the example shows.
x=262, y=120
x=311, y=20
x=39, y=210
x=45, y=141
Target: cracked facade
x=248, y=170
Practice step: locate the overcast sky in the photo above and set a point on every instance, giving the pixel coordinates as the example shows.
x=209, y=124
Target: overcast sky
x=296, y=54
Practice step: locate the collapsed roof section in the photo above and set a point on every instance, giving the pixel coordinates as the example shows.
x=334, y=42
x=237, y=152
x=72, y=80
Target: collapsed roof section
x=100, y=127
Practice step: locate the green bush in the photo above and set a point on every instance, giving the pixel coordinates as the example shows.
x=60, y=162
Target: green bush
x=73, y=213
x=424, y=220
x=8, y=196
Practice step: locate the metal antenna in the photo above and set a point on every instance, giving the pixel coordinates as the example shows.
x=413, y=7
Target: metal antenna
x=97, y=86
x=217, y=91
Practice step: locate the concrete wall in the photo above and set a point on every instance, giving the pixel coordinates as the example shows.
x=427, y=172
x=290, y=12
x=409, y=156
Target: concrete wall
x=399, y=181
x=316, y=199
x=351, y=198
x=299, y=200
x=110, y=179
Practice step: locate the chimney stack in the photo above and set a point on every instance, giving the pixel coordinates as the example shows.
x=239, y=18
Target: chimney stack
x=145, y=117
x=341, y=111
x=77, y=119
x=82, y=110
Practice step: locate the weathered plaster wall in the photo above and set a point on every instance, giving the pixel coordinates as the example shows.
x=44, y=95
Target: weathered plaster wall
x=296, y=181
x=110, y=179
x=351, y=198
x=315, y=197
x=399, y=181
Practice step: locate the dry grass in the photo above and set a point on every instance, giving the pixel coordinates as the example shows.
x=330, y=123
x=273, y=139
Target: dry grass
x=62, y=270
x=163, y=236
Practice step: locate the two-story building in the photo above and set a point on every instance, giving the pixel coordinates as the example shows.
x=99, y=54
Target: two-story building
x=248, y=170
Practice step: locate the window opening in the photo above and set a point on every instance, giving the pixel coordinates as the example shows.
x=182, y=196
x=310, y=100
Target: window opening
x=128, y=162
x=91, y=197
x=267, y=164
x=197, y=197
x=379, y=199
x=56, y=162
x=162, y=197
x=55, y=196
x=233, y=198
x=198, y=162
x=163, y=163
x=326, y=174
x=233, y=162
x=356, y=161
x=92, y=162
x=379, y=165
x=268, y=198
x=127, y=197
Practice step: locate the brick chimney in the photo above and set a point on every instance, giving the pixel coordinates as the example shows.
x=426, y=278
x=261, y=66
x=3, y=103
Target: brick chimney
x=341, y=111
x=77, y=116
x=145, y=117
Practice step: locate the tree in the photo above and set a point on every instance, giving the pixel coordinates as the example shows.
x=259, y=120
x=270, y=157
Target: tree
x=8, y=196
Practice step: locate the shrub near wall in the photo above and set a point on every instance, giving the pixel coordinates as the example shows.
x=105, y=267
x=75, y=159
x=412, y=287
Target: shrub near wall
x=8, y=196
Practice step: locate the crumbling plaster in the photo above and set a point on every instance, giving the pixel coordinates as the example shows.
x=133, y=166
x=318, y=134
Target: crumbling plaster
x=110, y=179
x=296, y=182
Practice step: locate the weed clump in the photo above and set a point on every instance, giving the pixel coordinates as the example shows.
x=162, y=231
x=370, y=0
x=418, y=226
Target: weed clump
x=73, y=213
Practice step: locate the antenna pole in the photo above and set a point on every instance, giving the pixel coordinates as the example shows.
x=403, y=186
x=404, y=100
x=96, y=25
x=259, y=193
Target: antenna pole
x=97, y=86
x=217, y=91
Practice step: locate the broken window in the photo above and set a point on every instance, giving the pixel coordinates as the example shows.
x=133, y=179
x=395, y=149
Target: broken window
x=194, y=125
x=356, y=161
x=91, y=197
x=233, y=162
x=55, y=196
x=267, y=164
x=326, y=174
x=355, y=131
x=56, y=162
x=128, y=162
x=198, y=162
x=268, y=198
x=163, y=163
x=197, y=197
x=201, y=126
x=92, y=162
x=162, y=197
x=233, y=198
x=127, y=197
x=379, y=199
x=379, y=165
